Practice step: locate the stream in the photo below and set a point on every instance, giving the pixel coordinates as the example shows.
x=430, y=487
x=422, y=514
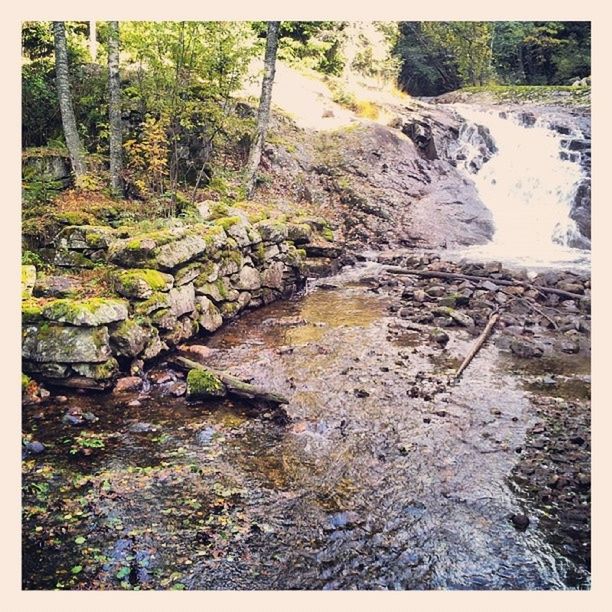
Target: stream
x=362, y=486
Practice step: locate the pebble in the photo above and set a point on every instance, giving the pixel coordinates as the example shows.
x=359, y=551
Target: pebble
x=520, y=521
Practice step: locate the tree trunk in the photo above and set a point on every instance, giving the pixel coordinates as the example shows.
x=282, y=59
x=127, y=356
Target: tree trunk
x=71, y=134
x=114, y=107
x=263, y=115
x=93, y=41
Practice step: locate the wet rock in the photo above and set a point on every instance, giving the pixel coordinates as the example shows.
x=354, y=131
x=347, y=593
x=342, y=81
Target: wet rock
x=436, y=291
x=488, y=286
x=128, y=383
x=204, y=436
x=520, y=521
x=177, y=389
x=142, y=427
x=342, y=520
x=525, y=348
x=73, y=418
x=35, y=447
x=569, y=345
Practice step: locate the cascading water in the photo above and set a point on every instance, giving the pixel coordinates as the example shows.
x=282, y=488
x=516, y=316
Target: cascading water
x=529, y=189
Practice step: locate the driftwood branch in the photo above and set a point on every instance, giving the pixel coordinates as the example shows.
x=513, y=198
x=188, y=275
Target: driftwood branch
x=234, y=385
x=486, y=332
x=478, y=279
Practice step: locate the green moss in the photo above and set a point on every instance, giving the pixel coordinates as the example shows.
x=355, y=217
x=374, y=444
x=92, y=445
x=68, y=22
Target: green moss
x=25, y=381
x=75, y=218
x=218, y=210
x=328, y=234
x=155, y=302
x=227, y=222
x=85, y=311
x=131, y=279
x=203, y=383
x=31, y=310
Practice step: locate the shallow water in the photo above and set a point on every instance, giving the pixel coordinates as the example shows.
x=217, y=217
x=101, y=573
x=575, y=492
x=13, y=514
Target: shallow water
x=366, y=487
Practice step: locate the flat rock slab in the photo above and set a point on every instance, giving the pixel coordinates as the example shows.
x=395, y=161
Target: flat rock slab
x=66, y=344
x=90, y=312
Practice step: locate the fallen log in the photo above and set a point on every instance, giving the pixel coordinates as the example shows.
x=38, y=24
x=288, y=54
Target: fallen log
x=478, y=279
x=486, y=332
x=234, y=385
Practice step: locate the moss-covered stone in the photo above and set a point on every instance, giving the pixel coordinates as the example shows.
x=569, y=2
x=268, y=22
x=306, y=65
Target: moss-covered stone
x=202, y=384
x=209, y=316
x=299, y=233
x=129, y=338
x=164, y=319
x=31, y=310
x=157, y=301
x=82, y=237
x=91, y=311
x=272, y=230
x=97, y=371
x=140, y=282
x=227, y=222
x=65, y=344
x=28, y=280
x=218, y=291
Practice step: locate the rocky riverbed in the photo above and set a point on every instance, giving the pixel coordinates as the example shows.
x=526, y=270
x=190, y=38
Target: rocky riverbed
x=382, y=472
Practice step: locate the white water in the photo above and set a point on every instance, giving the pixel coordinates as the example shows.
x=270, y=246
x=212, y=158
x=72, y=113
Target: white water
x=529, y=190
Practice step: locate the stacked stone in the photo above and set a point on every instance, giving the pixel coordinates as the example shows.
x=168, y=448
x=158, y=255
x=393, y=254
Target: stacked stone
x=171, y=284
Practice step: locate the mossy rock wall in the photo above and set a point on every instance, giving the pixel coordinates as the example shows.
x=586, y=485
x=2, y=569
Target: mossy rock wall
x=165, y=286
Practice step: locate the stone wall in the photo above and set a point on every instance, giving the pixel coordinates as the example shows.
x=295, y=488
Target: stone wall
x=166, y=286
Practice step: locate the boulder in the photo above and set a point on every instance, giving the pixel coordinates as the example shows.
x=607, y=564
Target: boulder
x=82, y=237
x=525, y=348
x=182, y=300
x=90, y=312
x=272, y=231
x=248, y=279
x=128, y=383
x=28, y=280
x=128, y=338
x=55, y=286
x=272, y=276
x=140, y=283
x=209, y=317
x=65, y=344
x=97, y=371
x=186, y=249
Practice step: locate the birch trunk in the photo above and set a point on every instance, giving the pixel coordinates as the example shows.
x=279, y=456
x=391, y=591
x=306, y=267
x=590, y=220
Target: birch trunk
x=114, y=107
x=263, y=114
x=73, y=142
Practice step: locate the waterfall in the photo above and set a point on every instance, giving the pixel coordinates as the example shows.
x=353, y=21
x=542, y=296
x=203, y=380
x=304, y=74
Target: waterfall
x=528, y=187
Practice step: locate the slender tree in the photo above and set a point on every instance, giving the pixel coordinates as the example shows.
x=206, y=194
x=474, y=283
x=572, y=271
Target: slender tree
x=93, y=41
x=71, y=134
x=263, y=114
x=114, y=107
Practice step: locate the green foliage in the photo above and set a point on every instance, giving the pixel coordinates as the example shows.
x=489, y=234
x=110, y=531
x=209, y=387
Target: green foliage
x=442, y=56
